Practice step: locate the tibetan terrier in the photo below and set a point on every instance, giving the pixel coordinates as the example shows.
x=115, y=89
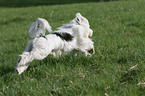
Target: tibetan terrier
x=67, y=38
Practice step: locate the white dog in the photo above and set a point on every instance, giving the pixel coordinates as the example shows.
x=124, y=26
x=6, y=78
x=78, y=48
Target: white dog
x=69, y=37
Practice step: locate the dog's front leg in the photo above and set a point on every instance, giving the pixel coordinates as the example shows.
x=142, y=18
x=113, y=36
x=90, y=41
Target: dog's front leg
x=85, y=52
x=56, y=53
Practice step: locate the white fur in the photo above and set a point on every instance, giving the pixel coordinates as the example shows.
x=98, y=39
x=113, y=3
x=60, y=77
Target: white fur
x=40, y=47
x=39, y=28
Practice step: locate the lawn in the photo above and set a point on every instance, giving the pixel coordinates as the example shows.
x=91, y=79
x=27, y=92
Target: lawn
x=116, y=69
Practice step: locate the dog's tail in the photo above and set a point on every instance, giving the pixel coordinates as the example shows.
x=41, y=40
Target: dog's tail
x=39, y=27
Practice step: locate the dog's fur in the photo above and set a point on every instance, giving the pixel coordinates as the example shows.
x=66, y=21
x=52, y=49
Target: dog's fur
x=69, y=37
x=39, y=27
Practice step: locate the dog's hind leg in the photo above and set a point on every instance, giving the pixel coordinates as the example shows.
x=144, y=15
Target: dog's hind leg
x=22, y=63
x=29, y=46
x=23, y=58
x=26, y=57
x=36, y=49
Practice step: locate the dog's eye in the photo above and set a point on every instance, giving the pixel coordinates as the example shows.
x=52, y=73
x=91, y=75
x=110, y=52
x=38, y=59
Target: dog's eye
x=78, y=19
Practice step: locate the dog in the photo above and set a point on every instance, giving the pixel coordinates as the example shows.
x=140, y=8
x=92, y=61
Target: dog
x=71, y=36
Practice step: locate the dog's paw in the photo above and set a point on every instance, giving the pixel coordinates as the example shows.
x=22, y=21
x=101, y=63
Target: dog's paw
x=21, y=69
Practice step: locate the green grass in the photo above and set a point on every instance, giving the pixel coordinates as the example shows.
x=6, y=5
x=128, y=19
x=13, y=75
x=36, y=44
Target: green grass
x=119, y=40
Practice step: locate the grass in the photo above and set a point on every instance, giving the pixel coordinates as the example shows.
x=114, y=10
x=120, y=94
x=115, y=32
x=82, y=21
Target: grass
x=118, y=39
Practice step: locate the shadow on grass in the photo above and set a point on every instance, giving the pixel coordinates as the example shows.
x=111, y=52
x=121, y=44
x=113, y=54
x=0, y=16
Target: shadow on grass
x=6, y=70
x=26, y=3
x=129, y=76
x=68, y=61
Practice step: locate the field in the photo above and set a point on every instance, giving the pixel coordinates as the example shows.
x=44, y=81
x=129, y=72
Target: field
x=116, y=69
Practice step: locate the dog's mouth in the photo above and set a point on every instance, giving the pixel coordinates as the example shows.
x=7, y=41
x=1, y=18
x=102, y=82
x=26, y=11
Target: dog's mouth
x=91, y=51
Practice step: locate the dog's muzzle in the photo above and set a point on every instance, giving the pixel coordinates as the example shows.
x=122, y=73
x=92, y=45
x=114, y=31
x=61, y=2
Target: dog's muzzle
x=91, y=51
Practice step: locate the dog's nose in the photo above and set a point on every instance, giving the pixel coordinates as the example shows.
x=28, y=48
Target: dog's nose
x=91, y=51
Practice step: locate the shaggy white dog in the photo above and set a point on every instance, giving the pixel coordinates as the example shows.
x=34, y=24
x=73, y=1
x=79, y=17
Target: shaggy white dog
x=69, y=37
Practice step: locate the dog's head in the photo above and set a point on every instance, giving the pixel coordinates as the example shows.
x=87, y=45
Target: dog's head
x=80, y=20
x=86, y=44
x=39, y=28
x=90, y=47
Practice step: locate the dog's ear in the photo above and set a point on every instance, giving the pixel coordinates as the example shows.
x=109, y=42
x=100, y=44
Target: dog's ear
x=78, y=18
x=78, y=15
x=81, y=20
